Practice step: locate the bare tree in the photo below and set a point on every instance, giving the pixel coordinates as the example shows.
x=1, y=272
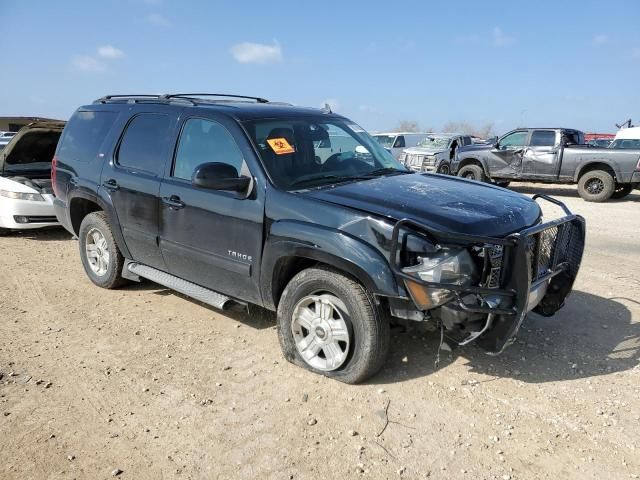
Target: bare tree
x=408, y=126
x=484, y=131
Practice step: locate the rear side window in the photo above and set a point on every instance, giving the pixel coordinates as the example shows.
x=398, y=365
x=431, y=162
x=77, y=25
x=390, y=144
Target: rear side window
x=543, y=138
x=83, y=135
x=204, y=141
x=144, y=144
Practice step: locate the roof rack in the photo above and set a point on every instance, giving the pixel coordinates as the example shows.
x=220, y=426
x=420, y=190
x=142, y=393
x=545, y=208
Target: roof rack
x=191, y=96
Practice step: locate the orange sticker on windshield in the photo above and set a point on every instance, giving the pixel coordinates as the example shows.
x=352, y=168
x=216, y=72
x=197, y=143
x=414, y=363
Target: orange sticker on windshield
x=280, y=146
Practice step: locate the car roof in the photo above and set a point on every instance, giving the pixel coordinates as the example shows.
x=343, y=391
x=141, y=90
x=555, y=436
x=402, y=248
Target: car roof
x=240, y=107
x=398, y=133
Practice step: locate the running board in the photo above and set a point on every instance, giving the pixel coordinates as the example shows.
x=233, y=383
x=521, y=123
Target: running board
x=189, y=289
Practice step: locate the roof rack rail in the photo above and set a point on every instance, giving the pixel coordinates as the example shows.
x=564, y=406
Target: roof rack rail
x=198, y=95
x=143, y=97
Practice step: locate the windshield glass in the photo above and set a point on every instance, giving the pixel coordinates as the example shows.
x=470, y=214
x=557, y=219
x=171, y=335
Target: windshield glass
x=434, y=142
x=385, y=140
x=308, y=152
x=625, y=143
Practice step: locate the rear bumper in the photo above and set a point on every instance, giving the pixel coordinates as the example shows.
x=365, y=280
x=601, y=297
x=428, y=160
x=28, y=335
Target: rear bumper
x=533, y=269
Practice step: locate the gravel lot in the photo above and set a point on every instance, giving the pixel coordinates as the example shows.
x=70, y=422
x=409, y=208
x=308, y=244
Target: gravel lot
x=143, y=383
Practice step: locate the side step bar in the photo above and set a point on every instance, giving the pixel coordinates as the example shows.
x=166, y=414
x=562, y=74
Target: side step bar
x=189, y=289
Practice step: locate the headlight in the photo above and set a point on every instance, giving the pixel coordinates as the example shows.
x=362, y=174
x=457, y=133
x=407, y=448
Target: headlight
x=447, y=267
x=34, y=197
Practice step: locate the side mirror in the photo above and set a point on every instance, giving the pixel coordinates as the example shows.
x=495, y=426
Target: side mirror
x=219, y=176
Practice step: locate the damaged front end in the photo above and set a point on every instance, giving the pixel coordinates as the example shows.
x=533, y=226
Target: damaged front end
x=481, y=288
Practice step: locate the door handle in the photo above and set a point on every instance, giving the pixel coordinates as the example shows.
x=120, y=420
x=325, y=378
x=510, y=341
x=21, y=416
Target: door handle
x=173, y=202
x=111, y=185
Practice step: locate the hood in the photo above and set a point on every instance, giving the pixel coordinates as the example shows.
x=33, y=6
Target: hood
x=424, y=150
x=30, y=151
x=22, y=185
x=445, y=203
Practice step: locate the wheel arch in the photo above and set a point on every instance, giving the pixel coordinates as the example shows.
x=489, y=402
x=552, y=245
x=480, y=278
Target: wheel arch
x=596, y=165
x=311, y=245
x=83, y=203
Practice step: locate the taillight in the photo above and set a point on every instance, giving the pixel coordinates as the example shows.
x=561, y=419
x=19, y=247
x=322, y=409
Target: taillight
x=54, y=164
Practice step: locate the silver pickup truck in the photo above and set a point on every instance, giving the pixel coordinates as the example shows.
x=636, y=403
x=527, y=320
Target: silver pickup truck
x=552, y=155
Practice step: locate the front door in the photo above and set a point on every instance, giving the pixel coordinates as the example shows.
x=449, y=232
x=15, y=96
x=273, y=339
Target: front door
x=505, y=160
x=132, y=180
x=210, y=237
x=541, y=155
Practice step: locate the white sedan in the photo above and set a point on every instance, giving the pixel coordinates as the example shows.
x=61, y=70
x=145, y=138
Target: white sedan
x=25, y=204
x=26, y=194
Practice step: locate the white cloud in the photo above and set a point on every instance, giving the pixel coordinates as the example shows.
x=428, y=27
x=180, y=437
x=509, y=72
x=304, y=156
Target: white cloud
x=333, y=103
x=88, y=64
x=158, y=20
x=600, y=39
x=248, y=52
x=500, y=38
x=108, y=51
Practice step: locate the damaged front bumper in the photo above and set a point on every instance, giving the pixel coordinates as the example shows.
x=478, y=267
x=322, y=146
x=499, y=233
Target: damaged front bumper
x=533, y=269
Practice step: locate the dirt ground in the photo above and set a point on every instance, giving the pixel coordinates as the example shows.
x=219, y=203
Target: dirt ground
x=143, y=383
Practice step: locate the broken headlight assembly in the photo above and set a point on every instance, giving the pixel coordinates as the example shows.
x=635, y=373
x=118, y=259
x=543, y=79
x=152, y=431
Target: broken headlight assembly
x=447, y=266
x=34, y=197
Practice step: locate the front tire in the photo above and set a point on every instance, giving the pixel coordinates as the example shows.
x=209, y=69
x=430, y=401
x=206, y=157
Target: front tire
x=622, y=191
x=596, y=186
x=473, y=172
x=328, y=323
x=444, y=169
x=101, y=257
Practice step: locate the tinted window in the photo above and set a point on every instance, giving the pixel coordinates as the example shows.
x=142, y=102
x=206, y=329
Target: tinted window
x=205, y=141
x=627, y=144
x=143, y=146
x=83, y=135
x=543, y=138
x=515, y=139
x=399, y=142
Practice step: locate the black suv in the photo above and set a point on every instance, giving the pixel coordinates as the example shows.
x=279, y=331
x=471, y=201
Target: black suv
x=300, y=211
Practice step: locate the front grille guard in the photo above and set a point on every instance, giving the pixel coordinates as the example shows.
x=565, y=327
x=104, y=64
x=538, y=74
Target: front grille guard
x=547, y=252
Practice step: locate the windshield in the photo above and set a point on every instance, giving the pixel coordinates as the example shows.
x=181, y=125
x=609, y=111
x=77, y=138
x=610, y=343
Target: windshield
x=385, y=140
x=435, y=143
x=625, y=143
x=308, y=152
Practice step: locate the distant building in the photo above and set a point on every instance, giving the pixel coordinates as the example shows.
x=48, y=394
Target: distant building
x=13, y=124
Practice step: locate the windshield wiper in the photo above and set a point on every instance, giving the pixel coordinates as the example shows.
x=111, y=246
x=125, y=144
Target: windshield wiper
x=385, y=171
x=332, y=179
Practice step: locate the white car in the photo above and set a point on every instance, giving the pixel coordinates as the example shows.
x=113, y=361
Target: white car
x=26, y=195
x=435, y=152
x=396, y=142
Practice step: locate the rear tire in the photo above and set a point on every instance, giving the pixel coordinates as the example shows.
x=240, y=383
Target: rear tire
x=596, y=186
x=622, y=191
x=473, y=172
x=100, y=255
x=348, y=341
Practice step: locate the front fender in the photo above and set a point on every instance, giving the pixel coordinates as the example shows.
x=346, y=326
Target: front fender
x=333, y=247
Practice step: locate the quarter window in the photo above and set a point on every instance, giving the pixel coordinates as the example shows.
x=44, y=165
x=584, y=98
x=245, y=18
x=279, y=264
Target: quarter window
x=84, y=134
x=144, y=144
x=515, y=139
x=543, y=138
x=205, y=141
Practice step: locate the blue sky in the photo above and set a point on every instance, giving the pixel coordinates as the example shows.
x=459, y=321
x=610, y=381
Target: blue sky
x=542, y=63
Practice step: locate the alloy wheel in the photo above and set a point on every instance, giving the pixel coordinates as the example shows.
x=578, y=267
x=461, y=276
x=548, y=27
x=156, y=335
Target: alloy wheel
x=320, y=332
x=97, y=251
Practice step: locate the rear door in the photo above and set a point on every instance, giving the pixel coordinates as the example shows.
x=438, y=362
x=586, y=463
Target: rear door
x=540, y=158
x=505, y=160
x=132, y=180
x=211, y=237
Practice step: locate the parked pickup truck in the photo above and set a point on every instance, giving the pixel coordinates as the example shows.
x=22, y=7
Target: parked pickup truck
x=238, y=201
x=552, y=155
